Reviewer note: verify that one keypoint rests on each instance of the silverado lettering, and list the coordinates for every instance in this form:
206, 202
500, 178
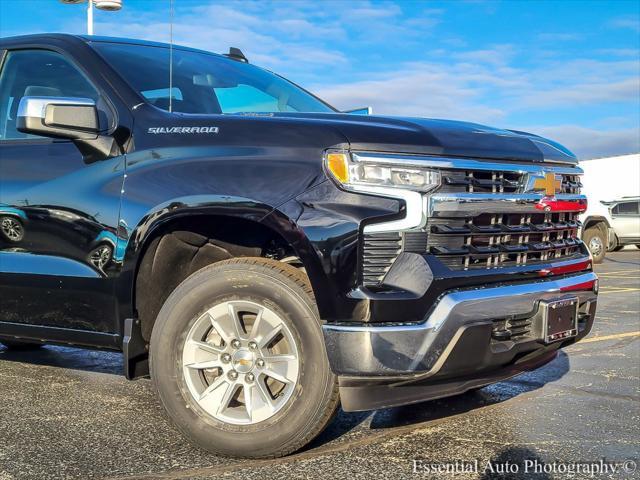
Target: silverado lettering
157, 130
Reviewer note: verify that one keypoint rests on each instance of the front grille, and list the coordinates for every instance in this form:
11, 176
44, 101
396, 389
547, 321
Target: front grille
472, 229
482, 181
496, 181
571, 184
497, 240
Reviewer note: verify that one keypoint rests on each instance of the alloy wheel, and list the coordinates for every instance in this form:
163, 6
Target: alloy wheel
240, 362
101, 256
12, 229
596, 246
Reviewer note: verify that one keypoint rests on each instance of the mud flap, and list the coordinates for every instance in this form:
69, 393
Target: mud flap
135, 351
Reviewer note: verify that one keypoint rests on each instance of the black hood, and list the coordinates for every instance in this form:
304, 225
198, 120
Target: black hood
359, 132
438, 137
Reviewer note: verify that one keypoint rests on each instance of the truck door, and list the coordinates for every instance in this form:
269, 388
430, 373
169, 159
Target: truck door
58, 213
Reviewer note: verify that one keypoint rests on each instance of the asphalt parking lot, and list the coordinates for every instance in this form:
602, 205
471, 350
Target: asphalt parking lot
68, 413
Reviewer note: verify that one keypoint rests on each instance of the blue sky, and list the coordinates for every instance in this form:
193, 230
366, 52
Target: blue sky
566, 69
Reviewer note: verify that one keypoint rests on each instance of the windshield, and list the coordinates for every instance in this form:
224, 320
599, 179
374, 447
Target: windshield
205, 83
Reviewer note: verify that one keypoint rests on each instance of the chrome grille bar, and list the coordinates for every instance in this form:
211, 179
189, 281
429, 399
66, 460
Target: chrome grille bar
485, 215
466, 204
447, 163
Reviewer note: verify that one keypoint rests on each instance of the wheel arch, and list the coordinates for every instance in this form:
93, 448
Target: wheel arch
601, 222
150, 245
594, 220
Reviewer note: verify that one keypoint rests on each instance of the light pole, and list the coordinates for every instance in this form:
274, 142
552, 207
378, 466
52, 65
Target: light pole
108, 5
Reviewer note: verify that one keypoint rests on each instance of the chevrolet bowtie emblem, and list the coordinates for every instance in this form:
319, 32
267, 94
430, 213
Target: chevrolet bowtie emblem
244, 362
550, 184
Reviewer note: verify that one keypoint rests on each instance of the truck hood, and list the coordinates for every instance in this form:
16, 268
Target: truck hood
437, 137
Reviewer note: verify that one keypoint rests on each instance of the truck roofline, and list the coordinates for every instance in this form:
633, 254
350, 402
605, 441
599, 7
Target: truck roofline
71, 38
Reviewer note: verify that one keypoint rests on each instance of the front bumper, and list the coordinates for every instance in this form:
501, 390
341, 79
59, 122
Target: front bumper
456, 348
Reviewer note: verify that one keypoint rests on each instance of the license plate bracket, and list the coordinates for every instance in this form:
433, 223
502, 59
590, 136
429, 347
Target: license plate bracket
559, 319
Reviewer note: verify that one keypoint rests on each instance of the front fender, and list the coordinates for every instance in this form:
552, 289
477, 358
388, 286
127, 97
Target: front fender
324, 225
291, 198
137, 229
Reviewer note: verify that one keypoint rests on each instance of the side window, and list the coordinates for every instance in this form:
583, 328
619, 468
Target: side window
36, 73
626, 208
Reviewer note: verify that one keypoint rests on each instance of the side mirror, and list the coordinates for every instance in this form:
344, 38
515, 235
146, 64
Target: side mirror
59, 117
360, 111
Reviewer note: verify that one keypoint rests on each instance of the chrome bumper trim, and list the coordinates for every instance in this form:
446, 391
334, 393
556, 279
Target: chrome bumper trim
423, 348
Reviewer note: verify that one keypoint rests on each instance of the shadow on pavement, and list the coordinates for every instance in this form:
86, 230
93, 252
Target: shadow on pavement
66, 357
437, 409
629, 259
496, 393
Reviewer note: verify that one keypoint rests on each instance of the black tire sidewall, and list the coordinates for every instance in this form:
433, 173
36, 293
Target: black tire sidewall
189, 301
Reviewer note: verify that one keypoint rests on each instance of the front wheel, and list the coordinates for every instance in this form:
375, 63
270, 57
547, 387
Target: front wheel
595, 241
238, 359
11, 229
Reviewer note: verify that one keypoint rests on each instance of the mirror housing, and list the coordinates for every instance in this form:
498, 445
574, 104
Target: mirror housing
59, 117
360, 111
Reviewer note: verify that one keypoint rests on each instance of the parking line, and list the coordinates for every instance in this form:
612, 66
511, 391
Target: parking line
620, 277
620, 274
610, 337
604, 290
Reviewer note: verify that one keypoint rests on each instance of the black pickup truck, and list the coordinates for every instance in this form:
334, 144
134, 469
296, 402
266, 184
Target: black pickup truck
264, 257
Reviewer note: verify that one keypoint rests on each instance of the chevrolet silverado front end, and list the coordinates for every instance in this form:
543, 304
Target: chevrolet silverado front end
264, 257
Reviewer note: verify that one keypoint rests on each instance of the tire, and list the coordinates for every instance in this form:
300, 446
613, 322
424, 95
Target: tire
304, 406
596, 243
617, 248
638, 245
11, 229
17, 345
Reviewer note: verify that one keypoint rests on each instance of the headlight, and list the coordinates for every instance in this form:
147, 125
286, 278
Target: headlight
368, 174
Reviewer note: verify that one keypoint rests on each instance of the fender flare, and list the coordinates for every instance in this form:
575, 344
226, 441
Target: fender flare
610, 236
595, 219
133, 247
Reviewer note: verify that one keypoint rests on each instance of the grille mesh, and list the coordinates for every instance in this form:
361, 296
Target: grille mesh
498, 182
496, 240
380, 251
484, 241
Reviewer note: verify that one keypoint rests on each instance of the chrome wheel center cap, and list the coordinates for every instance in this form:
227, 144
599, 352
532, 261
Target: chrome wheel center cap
243, 361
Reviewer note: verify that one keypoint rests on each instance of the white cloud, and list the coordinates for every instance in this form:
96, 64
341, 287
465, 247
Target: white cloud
626, 22
496, 55
626, 90
591, 143
427, 90
482, 86
559, 37
619, 52
268, 36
